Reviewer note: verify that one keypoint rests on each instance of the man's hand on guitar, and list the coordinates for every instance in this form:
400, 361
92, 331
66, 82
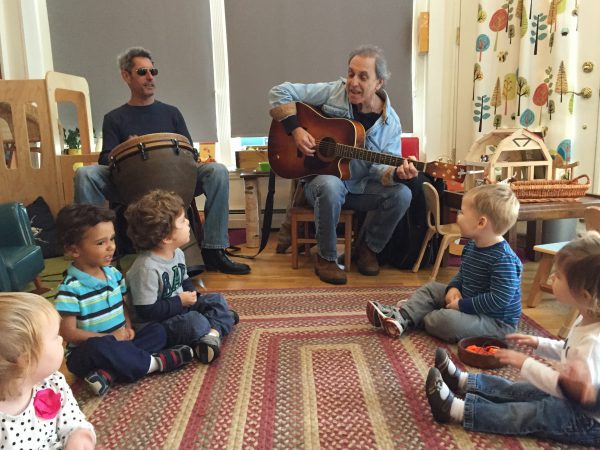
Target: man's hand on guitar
406, 171
304, 141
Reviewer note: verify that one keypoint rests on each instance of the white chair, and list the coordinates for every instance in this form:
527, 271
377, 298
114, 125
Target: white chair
449, 232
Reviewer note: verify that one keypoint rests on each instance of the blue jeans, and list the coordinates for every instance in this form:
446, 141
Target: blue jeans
126, 360
326, 194
210, 311
94, 185
496, 405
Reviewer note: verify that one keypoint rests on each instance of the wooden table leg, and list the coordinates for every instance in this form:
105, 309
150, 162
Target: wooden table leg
541, 276
533, 238
252, 209
511, 237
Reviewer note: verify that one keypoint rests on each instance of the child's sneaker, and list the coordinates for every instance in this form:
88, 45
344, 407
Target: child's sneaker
236, 317
99, 381
394, 326
173, 358
208, 348
376, 312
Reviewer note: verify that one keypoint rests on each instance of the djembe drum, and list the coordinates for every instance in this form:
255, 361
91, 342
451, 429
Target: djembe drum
157, 161
154, 161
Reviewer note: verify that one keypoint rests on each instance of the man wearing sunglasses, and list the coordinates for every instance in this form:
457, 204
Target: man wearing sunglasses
142, 115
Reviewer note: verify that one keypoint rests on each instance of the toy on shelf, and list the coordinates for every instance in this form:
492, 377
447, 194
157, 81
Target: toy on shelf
508, 153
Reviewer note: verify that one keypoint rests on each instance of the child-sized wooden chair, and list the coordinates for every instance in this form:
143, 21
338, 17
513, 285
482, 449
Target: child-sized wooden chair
449, 232
540, 284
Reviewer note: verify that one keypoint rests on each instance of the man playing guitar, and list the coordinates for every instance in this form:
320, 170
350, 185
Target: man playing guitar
359, 97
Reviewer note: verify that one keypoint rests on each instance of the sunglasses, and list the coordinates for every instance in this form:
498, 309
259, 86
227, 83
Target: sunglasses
142, 71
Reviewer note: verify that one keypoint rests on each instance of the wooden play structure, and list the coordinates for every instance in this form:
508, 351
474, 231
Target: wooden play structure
31, 136
508, 152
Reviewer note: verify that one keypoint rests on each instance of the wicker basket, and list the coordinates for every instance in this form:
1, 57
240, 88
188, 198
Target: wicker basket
551, 190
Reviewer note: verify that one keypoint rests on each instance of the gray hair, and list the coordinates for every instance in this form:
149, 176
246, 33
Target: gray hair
125, 59
372, 51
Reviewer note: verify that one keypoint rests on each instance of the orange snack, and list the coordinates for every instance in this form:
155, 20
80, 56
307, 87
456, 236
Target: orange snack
486, 350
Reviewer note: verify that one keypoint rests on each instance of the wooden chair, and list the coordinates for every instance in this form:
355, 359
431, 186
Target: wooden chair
540, 282
351, 217
449, 232
306, 215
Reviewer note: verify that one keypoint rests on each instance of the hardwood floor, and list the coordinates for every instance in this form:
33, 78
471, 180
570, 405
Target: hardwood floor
272, 270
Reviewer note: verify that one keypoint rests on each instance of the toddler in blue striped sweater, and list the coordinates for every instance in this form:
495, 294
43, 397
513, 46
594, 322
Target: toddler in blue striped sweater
484, 297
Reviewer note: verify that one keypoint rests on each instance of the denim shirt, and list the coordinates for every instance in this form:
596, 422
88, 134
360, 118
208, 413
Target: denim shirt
331, 97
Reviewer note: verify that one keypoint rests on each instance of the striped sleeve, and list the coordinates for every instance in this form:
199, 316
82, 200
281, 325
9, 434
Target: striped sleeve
492, 283
67, 299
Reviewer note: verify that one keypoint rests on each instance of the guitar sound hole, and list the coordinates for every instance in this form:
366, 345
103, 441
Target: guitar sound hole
326, 149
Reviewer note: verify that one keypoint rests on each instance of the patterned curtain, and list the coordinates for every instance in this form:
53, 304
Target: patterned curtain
524, 62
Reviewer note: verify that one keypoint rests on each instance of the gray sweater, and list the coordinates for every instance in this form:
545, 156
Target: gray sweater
154, 287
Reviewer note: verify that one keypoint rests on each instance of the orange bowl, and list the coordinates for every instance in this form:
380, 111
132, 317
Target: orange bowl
479, 360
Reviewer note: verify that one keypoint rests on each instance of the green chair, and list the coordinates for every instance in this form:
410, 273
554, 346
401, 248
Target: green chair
21, 261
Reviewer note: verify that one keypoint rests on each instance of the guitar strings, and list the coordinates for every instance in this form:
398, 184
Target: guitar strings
349, 151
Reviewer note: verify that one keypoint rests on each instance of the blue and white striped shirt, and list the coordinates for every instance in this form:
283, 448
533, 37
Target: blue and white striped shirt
489, 280
98, 304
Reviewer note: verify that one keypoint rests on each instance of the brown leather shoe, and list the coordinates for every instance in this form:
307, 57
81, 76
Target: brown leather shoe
329, 271
367, 260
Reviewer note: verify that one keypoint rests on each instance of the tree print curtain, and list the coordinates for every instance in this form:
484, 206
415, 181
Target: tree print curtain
522, 68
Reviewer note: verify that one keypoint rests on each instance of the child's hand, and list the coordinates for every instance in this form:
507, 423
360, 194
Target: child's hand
80, 439
523, 339
511, 357
188, 298
453, 305
452, 295
121, 334
130, 333
575, 381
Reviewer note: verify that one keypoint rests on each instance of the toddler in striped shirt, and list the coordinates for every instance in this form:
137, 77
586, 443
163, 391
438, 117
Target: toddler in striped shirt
484, 297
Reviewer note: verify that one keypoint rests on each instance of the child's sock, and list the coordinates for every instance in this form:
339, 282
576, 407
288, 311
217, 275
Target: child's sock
171, 358
99, 381
457, 410
154, 364
452, 375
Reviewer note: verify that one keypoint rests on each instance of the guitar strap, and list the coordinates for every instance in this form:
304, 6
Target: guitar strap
266, 225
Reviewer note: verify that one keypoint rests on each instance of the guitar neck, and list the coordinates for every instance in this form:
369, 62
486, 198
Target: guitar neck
348, 151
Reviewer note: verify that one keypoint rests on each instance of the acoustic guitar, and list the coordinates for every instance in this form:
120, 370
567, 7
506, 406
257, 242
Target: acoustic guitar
338, 142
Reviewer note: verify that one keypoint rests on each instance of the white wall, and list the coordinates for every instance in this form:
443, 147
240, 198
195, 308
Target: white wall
435, 79
24, 39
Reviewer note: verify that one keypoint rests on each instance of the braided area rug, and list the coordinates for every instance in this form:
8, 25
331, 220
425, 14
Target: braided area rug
303, 369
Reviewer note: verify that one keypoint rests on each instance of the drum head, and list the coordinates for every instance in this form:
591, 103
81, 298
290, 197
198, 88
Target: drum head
148, 140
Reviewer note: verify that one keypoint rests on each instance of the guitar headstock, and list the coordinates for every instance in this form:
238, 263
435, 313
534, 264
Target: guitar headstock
447, 171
